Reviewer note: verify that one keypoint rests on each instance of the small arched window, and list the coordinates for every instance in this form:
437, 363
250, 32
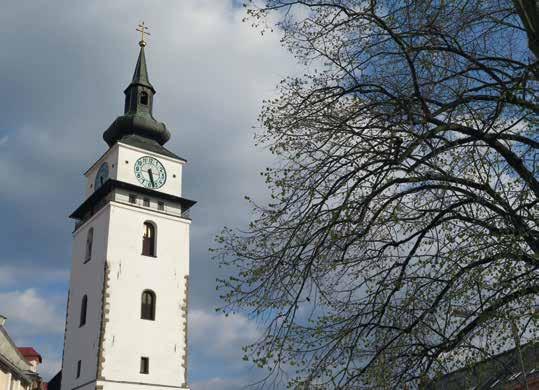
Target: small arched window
144, 98
147, 306
148, 239
83, 310
89, 244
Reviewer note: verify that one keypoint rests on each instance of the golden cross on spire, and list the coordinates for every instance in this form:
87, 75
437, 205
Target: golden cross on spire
142, 29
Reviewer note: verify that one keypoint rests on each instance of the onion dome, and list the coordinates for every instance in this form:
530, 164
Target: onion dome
138, 121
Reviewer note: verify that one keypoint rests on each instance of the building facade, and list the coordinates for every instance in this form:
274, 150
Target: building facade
126, 325
18, 366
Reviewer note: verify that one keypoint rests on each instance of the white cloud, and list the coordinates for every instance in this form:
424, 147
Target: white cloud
218, 383
29, 312
217, 335
3, 140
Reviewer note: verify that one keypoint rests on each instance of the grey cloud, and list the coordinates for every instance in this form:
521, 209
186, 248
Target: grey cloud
29, 312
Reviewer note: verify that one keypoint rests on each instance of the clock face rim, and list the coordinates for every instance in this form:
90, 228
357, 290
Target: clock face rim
103, 171
143, 181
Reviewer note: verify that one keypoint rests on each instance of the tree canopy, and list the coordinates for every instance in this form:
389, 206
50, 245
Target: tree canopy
402, 239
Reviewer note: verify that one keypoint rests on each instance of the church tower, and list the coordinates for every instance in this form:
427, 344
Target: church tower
126, 325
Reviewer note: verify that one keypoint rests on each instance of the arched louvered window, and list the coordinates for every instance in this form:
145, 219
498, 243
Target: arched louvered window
83, 310
147, 306
89, 244
148, 239
144, 98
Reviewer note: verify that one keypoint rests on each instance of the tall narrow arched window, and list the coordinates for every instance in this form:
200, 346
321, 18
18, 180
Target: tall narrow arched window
83, 310
147, 305
89, 244
144, 98
148, 240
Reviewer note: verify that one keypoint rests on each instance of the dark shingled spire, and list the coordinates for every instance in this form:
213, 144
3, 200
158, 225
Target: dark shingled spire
140, 76
138, 124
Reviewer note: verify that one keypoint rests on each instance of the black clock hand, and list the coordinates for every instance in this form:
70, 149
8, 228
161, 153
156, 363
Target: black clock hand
151, 177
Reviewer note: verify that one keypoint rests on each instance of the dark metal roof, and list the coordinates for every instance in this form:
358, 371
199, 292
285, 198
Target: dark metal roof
148, 144
111, 184
140, 75
138, 110
55, 382
493, 373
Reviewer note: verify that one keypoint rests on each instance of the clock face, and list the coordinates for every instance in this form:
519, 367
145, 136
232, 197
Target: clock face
150, 172
102, 175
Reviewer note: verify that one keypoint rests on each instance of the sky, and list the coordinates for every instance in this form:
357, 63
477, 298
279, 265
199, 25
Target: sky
63, 69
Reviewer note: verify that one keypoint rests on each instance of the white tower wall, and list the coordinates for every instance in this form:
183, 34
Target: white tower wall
82, 343
114, 338
105, 351
127, 337
121, 159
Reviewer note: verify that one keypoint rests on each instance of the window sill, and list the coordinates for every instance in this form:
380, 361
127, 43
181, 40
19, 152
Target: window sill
155, 257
